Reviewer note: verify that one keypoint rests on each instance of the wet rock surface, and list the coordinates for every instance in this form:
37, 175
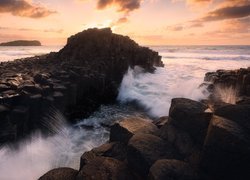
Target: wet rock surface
171, 169
76, 80
124, 130
234, 83
60, 174
171, 151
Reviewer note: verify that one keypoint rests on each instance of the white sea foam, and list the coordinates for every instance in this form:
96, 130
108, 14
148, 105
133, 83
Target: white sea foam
180, 77
40, 154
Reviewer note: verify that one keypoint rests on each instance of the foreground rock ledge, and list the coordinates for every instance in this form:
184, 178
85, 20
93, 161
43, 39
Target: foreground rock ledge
84, 74
172, 150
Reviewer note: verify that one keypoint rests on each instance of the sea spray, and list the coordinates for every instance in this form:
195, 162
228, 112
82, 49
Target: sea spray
41, 153
226, 94
155, 91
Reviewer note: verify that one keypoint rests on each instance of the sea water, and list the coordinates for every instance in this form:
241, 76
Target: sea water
9, 53
185, 67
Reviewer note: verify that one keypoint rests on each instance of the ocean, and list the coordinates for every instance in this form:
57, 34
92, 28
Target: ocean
9, 53
185, 67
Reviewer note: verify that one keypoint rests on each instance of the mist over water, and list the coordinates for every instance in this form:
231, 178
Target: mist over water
182, 75
39, 154
184, 71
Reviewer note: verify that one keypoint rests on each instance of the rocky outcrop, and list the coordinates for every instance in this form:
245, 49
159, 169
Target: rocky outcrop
171, 169
124, 130
190, 144
196, 141
226, 153
84, 74
228, 86
21, 43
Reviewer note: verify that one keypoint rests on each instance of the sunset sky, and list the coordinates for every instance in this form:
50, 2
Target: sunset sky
149, 22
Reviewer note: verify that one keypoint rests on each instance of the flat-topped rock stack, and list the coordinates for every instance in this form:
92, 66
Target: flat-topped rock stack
84, 74
191, 144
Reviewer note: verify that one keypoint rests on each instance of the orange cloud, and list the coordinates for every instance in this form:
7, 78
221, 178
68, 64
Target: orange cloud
23, 8
229, 12
124, 5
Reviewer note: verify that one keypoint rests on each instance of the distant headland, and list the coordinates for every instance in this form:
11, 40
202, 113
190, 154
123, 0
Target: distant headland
21, 43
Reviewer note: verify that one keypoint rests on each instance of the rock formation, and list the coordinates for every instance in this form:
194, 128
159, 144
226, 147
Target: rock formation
21, 43
229, 86
196, 142
84, 74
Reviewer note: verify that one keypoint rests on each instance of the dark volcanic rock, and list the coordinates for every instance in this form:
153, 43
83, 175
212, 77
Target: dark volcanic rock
190, 116
171, 169
234, 80
60, 174
145, 149
115, 150
103, 168
237, 113
107, 50
122, 131
226, 152
181, 140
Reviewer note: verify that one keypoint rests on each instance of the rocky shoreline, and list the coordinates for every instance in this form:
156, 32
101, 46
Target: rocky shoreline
205, 140
199, 140
76, 80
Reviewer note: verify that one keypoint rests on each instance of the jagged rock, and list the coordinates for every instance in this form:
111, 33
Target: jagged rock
60, 174
122, 131
145, 149
19, 116
171, 169
42, 78
161, 121
180, 139
237, 113
190, 116
103, 168
115, 150
236, 79
226, 152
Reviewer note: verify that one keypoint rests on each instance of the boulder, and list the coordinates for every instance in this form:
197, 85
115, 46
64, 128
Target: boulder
226, 151
42, 78
171, 169
161, 121
122, 131
103, 168
237, 113
60, 174
145, 149
115, 150
190, 116
181, 140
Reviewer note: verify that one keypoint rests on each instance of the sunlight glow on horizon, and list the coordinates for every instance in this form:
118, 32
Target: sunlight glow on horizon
160, 22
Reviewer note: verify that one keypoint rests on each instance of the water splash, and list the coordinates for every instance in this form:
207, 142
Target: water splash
155, 91
40, 153
226, 94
